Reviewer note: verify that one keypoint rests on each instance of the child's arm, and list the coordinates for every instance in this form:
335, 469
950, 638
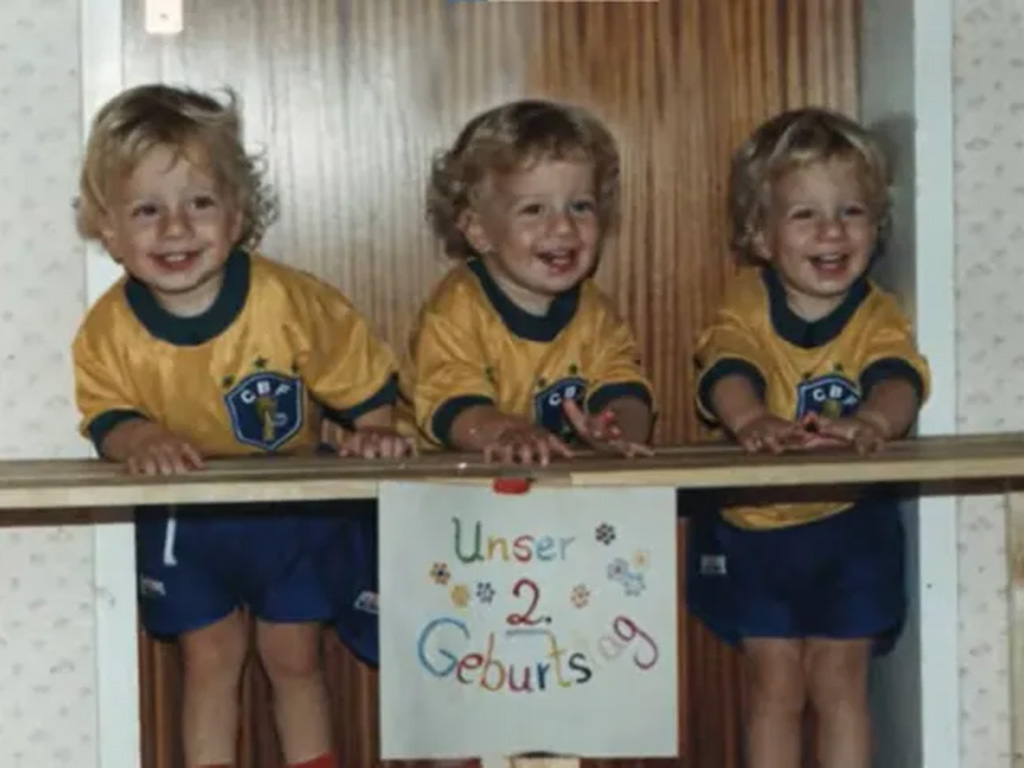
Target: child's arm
619, 411
454, 397
895, 383
886, 415
352, 374
892, 407
113, 420
731, 384
148, 449
732, 367
504, 437
374, 435
632, 417
739, 406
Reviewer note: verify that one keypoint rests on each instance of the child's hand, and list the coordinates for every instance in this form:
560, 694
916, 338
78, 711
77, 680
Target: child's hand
155, 451
601, 432
525, 443
766, 432
867, 431
367, 442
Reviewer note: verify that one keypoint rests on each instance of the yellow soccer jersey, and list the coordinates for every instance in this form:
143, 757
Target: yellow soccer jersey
828, 366
244, 377
474, 346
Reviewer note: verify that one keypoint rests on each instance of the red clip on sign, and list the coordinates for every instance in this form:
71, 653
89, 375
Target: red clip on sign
514, 485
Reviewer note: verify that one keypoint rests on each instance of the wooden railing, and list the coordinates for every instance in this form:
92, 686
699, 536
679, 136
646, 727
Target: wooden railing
60, 483
935, 464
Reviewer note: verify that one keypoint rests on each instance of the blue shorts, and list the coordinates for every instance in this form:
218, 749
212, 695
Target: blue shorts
285, 562
840, 577
350, 577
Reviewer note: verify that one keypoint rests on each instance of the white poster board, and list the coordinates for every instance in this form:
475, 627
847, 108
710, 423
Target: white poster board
542, 622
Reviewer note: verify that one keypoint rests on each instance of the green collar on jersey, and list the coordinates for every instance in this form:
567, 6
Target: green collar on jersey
519, 321
800, 332
193, 331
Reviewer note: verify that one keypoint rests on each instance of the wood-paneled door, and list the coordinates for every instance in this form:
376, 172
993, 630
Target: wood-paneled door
349, 99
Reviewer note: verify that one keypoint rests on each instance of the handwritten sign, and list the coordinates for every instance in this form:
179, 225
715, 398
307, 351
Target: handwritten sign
521, 623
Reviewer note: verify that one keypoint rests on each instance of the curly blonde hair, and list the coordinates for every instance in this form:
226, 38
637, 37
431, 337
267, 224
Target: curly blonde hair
139, 119
507, 138
794, 139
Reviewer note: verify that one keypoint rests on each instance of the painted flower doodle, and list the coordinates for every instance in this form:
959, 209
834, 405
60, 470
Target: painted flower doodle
633, 584
460, 595
485, 592
618, 569
580, 596
605, 533
440, 574
641, 559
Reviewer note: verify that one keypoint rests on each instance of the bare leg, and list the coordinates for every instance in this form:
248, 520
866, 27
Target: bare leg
837, 675
291, 656
777, 699
212, 661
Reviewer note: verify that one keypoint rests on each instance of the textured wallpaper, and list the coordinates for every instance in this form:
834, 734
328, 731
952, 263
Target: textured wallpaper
47, 664
989, 135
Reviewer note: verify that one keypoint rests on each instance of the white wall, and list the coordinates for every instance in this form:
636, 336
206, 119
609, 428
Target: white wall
989, 174
47, 663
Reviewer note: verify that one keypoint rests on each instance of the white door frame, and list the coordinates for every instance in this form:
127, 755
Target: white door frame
118, 735
935, 302
907, 86
118, 740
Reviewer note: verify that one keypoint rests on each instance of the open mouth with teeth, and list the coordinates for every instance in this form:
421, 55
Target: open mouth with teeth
830, 264
560, 262
176, 261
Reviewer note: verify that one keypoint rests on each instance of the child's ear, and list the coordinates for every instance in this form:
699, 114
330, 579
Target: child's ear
236, 223
759, 245
107, 235
472, 227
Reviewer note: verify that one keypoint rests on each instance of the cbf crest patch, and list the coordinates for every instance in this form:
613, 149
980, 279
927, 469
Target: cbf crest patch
832, 396
549, 402
265, 409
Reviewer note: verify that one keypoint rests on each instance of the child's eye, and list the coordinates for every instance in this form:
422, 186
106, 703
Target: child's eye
802, 214
854, 210
583, 206
143, 210
532, 209
202, 202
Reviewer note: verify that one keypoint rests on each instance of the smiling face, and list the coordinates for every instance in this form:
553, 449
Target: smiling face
537, 230
818, 234
172, 228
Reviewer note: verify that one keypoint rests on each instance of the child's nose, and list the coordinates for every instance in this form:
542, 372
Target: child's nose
176, 224
831, 227
562, 223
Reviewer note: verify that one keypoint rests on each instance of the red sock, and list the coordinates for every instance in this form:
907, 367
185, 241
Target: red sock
324, 761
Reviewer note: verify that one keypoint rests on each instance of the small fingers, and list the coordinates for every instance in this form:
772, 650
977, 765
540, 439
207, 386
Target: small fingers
577, 418
508, 453
632, 450
139, 465
751, 443
332, 434
773, 442
523, 452
558, 447
192, 456
351, 444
